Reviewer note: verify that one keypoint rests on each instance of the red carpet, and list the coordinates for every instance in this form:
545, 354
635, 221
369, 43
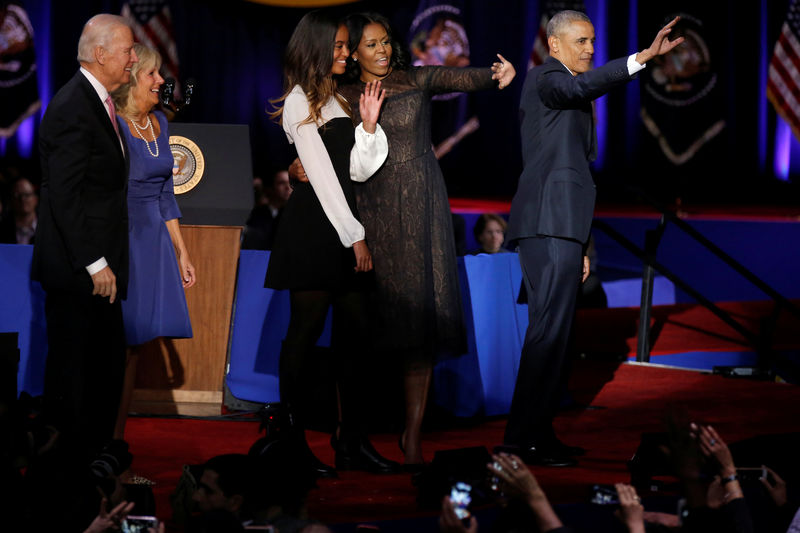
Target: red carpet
682, 328
627, 401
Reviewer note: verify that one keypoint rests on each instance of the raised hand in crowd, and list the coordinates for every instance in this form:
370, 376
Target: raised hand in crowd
110, 520
517, 481
631, 510
726, 486
776, 487
449, 522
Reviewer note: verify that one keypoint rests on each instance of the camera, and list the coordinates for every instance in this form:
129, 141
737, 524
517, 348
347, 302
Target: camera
113, 460
604, 495
139, 524
747, 475
460, 496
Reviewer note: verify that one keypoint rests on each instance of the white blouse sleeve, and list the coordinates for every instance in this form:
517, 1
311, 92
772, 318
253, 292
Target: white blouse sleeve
319, 169
368, 153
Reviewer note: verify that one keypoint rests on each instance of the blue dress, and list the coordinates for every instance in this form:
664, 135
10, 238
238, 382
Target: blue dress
156, 303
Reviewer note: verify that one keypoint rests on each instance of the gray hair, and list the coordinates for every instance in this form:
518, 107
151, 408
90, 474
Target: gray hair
98, 31
562, 19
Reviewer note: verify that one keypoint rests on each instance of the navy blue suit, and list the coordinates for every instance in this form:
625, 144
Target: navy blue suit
551, 216
82, 217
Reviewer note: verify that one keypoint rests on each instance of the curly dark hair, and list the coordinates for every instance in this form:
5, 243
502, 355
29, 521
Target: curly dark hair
356, 23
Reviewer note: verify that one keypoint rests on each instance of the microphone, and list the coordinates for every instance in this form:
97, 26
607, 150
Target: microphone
188, 91
166, 91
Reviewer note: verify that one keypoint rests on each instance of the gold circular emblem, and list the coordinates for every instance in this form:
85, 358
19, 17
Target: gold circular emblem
188, 163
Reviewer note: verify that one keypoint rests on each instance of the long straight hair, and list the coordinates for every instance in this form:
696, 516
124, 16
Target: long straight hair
307, 62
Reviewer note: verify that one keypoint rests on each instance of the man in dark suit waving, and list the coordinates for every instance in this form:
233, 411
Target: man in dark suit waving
81, 250
551, 215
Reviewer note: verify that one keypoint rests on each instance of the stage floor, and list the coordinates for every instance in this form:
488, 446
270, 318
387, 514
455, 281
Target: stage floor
614, 404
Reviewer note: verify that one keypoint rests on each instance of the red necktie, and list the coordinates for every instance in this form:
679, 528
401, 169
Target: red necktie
112, 113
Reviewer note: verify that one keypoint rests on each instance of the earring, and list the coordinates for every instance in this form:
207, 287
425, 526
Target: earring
355, 59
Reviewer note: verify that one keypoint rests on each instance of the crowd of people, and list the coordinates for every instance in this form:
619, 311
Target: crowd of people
268, 488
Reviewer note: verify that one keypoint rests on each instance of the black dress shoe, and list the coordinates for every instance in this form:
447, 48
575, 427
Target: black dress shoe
359, 454
317, 468
321, 470
560, 448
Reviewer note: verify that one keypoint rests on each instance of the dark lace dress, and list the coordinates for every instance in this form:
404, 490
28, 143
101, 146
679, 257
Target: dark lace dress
406, 214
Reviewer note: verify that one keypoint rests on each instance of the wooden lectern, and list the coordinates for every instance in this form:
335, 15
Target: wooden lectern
185, 376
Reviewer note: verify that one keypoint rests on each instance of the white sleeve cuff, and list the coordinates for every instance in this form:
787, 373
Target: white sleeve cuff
368, 154
97, 266
633, 65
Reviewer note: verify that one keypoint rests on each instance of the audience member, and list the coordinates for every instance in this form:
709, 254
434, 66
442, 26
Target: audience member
109, 520
19, 223
490, 232
259, 232
279, 498
225, 481
631, 510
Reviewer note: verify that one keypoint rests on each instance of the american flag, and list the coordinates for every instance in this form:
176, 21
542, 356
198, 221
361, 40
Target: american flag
783, 82
540, 49
152, 26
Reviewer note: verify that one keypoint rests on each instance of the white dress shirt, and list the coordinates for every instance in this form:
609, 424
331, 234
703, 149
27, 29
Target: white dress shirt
366, 157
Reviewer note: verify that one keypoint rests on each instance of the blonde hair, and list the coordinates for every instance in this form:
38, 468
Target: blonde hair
123, 97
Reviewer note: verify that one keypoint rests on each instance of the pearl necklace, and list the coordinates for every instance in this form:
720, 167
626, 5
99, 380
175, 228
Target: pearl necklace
152, 132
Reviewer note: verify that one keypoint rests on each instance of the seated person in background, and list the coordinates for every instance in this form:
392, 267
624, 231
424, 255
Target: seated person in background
19, 223
259, 232
490, 232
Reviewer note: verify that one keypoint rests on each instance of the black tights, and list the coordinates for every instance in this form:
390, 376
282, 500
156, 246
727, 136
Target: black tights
309, 308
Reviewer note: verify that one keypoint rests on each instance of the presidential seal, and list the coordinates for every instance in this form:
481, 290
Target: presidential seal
680, 102
188, 163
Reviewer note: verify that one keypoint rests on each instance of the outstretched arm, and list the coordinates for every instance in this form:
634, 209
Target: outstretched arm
660, 45
503, 72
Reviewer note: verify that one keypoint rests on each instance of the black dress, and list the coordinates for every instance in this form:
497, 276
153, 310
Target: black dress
307, 254
406, 214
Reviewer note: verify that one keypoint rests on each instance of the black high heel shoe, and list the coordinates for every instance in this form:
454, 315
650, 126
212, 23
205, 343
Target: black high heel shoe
359, 454
409, 468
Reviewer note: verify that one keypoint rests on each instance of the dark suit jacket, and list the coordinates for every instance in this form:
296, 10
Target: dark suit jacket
83, 207
556, 193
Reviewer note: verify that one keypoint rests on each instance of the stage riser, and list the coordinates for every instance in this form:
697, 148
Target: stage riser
770, 249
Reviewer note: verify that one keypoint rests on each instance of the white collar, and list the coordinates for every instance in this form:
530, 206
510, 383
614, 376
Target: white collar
101, 91
566, 67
